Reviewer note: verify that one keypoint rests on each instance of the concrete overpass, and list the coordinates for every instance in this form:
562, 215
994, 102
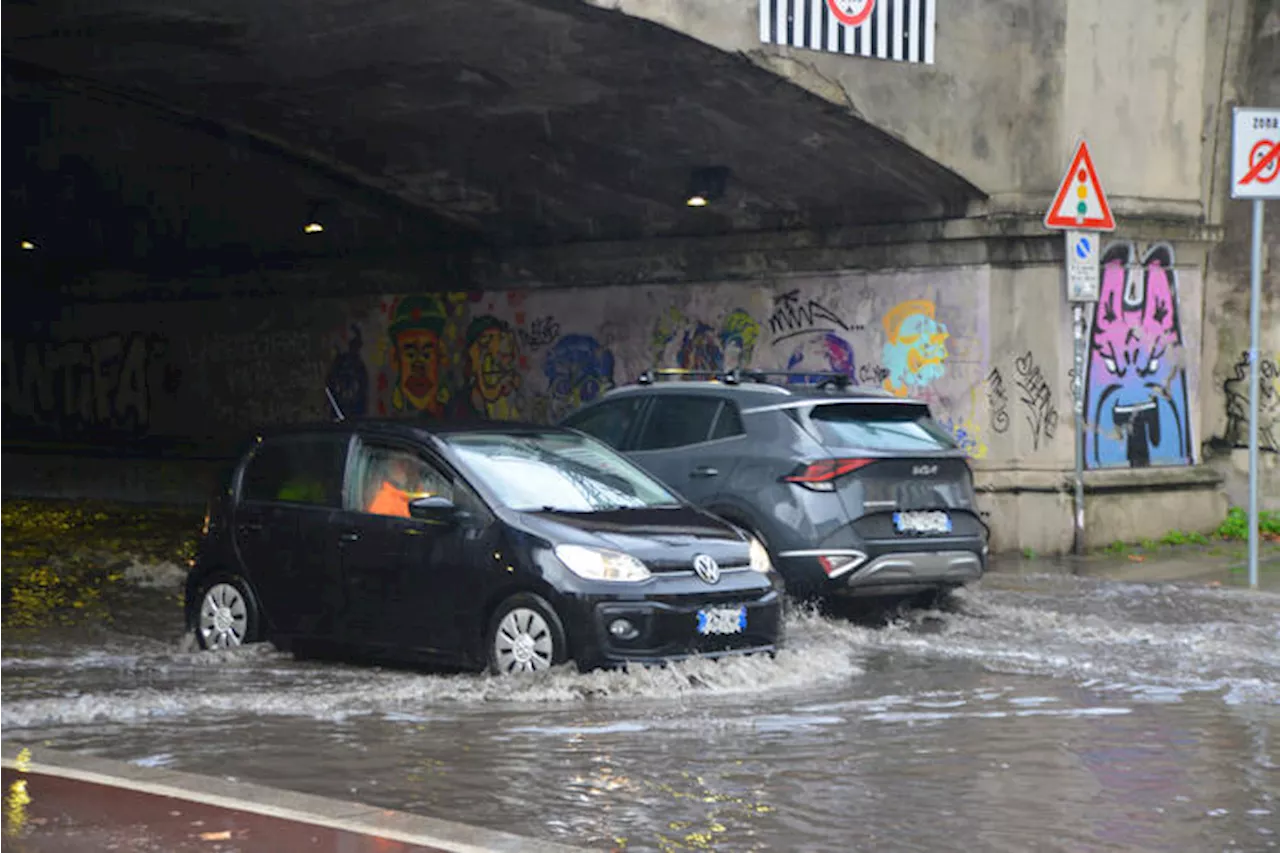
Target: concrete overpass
479, 164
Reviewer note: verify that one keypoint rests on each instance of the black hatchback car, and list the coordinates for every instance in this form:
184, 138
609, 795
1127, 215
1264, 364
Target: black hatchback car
498, 545
855, 492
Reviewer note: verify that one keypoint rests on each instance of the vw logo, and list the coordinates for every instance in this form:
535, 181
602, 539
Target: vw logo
706, 567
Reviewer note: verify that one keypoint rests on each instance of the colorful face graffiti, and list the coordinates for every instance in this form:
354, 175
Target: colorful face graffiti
492, 366
915, 348
738, 335
578, 369
832, 352
348, 379
699, 350
1135, 387
417, 351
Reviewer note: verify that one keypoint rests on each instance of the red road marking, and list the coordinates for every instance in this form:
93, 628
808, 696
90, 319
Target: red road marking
1271, 158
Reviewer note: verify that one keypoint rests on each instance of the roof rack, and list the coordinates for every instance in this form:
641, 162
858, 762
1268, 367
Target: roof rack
838, 381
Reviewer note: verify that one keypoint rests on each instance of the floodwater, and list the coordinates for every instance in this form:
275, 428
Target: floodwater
1043, 712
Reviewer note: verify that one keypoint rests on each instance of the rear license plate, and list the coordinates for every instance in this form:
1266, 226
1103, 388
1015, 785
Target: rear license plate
922, 522
722, 620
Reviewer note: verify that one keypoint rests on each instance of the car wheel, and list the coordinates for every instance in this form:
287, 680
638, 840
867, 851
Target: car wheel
525, 635
228, 616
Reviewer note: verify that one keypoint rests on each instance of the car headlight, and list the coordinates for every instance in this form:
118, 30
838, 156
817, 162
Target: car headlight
598, 564
760, 557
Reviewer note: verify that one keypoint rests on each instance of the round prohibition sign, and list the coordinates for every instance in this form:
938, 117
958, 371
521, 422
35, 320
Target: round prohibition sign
1261, 149
851, 13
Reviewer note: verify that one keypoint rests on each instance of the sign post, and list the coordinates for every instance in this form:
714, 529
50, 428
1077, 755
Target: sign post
1255, 164
1080, 208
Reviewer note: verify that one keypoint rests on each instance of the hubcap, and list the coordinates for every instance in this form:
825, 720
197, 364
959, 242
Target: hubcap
523, 642
224, 617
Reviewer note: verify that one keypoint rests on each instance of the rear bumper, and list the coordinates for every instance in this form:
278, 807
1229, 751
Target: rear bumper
909, 571
887, 567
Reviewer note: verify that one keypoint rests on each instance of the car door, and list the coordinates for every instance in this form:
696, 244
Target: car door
407, 582
289, 492
690, 442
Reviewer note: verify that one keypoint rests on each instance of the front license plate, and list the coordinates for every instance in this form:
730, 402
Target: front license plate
922, 522
722, 620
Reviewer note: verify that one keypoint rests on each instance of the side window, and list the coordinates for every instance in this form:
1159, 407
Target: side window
387, 478
675, 421
303, 469
608, 422
729, 423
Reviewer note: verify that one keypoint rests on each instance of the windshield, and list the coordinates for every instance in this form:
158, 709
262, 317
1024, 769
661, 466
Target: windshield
557, 471
880, 426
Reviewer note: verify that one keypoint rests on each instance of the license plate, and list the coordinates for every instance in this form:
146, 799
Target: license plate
922, 522
722, 620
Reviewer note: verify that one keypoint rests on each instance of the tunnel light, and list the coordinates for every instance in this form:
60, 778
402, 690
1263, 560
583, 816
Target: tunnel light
312, 228
706, 184
27, 245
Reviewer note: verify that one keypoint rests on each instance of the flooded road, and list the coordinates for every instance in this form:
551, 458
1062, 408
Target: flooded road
1041, 712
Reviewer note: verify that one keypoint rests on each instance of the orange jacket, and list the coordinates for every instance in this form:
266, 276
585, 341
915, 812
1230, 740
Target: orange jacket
390, 501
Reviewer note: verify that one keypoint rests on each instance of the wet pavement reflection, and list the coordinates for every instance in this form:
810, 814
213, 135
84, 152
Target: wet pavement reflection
1034, 712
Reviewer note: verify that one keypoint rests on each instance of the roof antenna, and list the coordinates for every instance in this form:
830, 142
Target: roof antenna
337, 410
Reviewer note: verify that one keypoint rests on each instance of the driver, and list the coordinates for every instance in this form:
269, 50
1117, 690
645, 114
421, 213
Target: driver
402, 481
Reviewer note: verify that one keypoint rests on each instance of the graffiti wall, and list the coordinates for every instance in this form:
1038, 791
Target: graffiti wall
538, 355
223, 368
1137, 408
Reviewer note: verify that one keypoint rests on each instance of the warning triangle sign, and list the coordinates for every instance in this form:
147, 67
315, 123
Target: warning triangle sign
1080, 202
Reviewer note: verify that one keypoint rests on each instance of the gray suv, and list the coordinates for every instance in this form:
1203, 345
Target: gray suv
853, 491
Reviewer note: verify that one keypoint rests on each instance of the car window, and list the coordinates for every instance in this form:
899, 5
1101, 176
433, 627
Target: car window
557, 471
297, 469
728, 422
880, 426
677, 420
609, 421
385, 478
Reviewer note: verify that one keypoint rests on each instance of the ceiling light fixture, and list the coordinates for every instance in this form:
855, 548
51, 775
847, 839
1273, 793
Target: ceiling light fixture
27, 245
706, 184
312, 228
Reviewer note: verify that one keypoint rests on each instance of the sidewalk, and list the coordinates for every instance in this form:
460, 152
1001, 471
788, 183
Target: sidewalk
61, 802
1219, 564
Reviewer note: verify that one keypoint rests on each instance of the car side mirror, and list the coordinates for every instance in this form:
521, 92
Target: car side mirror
438, 510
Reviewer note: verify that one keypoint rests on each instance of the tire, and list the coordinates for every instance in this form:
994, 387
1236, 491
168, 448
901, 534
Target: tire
525, 635
227, 615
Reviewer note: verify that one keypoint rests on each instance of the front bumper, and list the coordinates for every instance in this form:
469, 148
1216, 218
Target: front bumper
666, 625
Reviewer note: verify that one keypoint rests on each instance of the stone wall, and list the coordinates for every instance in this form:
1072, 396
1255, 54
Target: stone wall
1251, 77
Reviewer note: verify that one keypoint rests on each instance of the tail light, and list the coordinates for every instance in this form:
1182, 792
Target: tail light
820, 476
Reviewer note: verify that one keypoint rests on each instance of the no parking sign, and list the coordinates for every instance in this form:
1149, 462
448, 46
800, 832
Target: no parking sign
1082, 266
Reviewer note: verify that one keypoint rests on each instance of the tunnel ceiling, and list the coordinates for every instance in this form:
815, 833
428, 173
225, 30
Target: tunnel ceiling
509, 122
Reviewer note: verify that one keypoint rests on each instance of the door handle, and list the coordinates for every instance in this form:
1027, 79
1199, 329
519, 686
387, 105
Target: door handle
349, 536
703, 471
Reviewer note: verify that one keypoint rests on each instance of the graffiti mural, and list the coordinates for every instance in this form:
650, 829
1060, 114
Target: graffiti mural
418, 355
915, 348
1135, 381
348, 378
105, 384
1236, 390
492, 368
705, 344
578, 370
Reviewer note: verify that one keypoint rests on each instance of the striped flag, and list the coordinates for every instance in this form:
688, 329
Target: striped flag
901, 30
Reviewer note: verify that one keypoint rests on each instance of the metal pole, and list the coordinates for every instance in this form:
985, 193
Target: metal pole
1077, 390
1255, 322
